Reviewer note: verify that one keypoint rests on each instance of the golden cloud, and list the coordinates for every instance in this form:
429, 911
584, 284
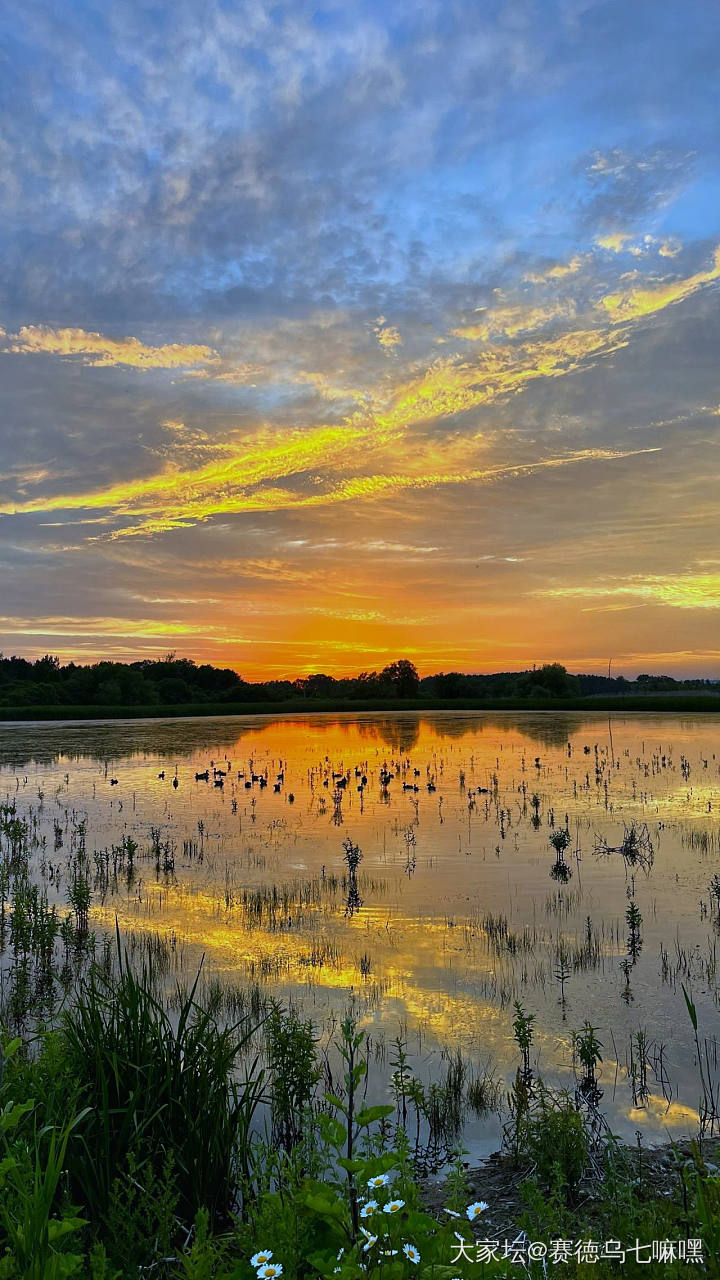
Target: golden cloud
557, 272
103, 352
513, 320
614, 243
358, 487
388, 337
636, 303
88, 627
688, 591
378, 449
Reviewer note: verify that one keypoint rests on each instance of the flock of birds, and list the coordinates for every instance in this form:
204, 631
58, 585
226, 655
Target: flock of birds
328, 775
217, 775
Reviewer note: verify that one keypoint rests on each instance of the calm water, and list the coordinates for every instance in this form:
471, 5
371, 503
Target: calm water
460, 915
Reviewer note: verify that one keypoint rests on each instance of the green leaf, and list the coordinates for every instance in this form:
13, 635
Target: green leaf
328, 1209
691, 1009
370, 1114
57, 1228
10, 1049
325, 1263
13, 1114
332, 1130
65, 1264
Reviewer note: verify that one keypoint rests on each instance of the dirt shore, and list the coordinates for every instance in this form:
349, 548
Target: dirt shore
656, 1171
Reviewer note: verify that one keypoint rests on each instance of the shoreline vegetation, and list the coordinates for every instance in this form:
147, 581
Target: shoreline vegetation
178, 687
645, 703
293, 1172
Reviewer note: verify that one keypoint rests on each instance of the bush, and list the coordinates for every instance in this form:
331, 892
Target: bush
557, 1141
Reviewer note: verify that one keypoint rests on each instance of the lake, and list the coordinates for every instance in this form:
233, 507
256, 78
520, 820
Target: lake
459, 908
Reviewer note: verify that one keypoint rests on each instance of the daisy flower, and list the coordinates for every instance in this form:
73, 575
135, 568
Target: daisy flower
474, 1210
261, 1258
371, 1240
380, 1180
411, 1253
368, 1209
392, 1206
270, 1271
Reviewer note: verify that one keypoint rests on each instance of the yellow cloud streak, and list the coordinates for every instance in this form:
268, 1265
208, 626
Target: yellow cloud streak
176, 496
449, 387
558, 272
368, 486
138, 627
691, 591
184, 496
636, 303
103, 352
260, 461
511, 321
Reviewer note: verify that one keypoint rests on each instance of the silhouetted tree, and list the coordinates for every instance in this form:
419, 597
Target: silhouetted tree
403, 677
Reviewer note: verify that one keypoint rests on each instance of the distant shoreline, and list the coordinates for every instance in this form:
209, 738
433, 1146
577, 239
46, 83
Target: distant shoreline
650, 702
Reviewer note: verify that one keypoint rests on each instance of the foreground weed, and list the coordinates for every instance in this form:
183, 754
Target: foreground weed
36, 1235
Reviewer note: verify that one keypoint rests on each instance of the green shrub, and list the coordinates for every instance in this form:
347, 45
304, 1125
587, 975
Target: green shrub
557, 1141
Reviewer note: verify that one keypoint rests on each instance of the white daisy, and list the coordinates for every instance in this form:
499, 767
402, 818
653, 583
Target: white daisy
411, 1253
371, 1240
380, 1180
368, 1209
474, 1210
270, 1271
259, 1259
393, 1206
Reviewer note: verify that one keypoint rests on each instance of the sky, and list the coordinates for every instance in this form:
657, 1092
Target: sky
332, 333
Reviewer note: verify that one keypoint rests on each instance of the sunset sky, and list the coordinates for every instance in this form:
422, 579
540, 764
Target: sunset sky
332, 333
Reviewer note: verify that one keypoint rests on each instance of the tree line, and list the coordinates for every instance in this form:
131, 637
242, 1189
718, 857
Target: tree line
173, 681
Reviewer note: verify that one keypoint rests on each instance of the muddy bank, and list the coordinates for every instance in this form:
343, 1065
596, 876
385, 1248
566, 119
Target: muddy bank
655, 1171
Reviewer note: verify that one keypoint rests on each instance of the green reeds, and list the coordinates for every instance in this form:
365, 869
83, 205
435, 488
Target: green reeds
158, 1088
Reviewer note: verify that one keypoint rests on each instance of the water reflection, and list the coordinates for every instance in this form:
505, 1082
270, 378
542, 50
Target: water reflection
111, 740
240, 829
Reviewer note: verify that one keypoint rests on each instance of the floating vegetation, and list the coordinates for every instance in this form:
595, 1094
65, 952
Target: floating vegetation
636, 846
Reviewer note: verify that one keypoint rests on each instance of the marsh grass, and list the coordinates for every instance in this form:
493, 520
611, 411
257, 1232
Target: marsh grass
156, 1087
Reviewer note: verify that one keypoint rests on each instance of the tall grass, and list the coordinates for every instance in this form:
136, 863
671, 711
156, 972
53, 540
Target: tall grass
158, 1089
